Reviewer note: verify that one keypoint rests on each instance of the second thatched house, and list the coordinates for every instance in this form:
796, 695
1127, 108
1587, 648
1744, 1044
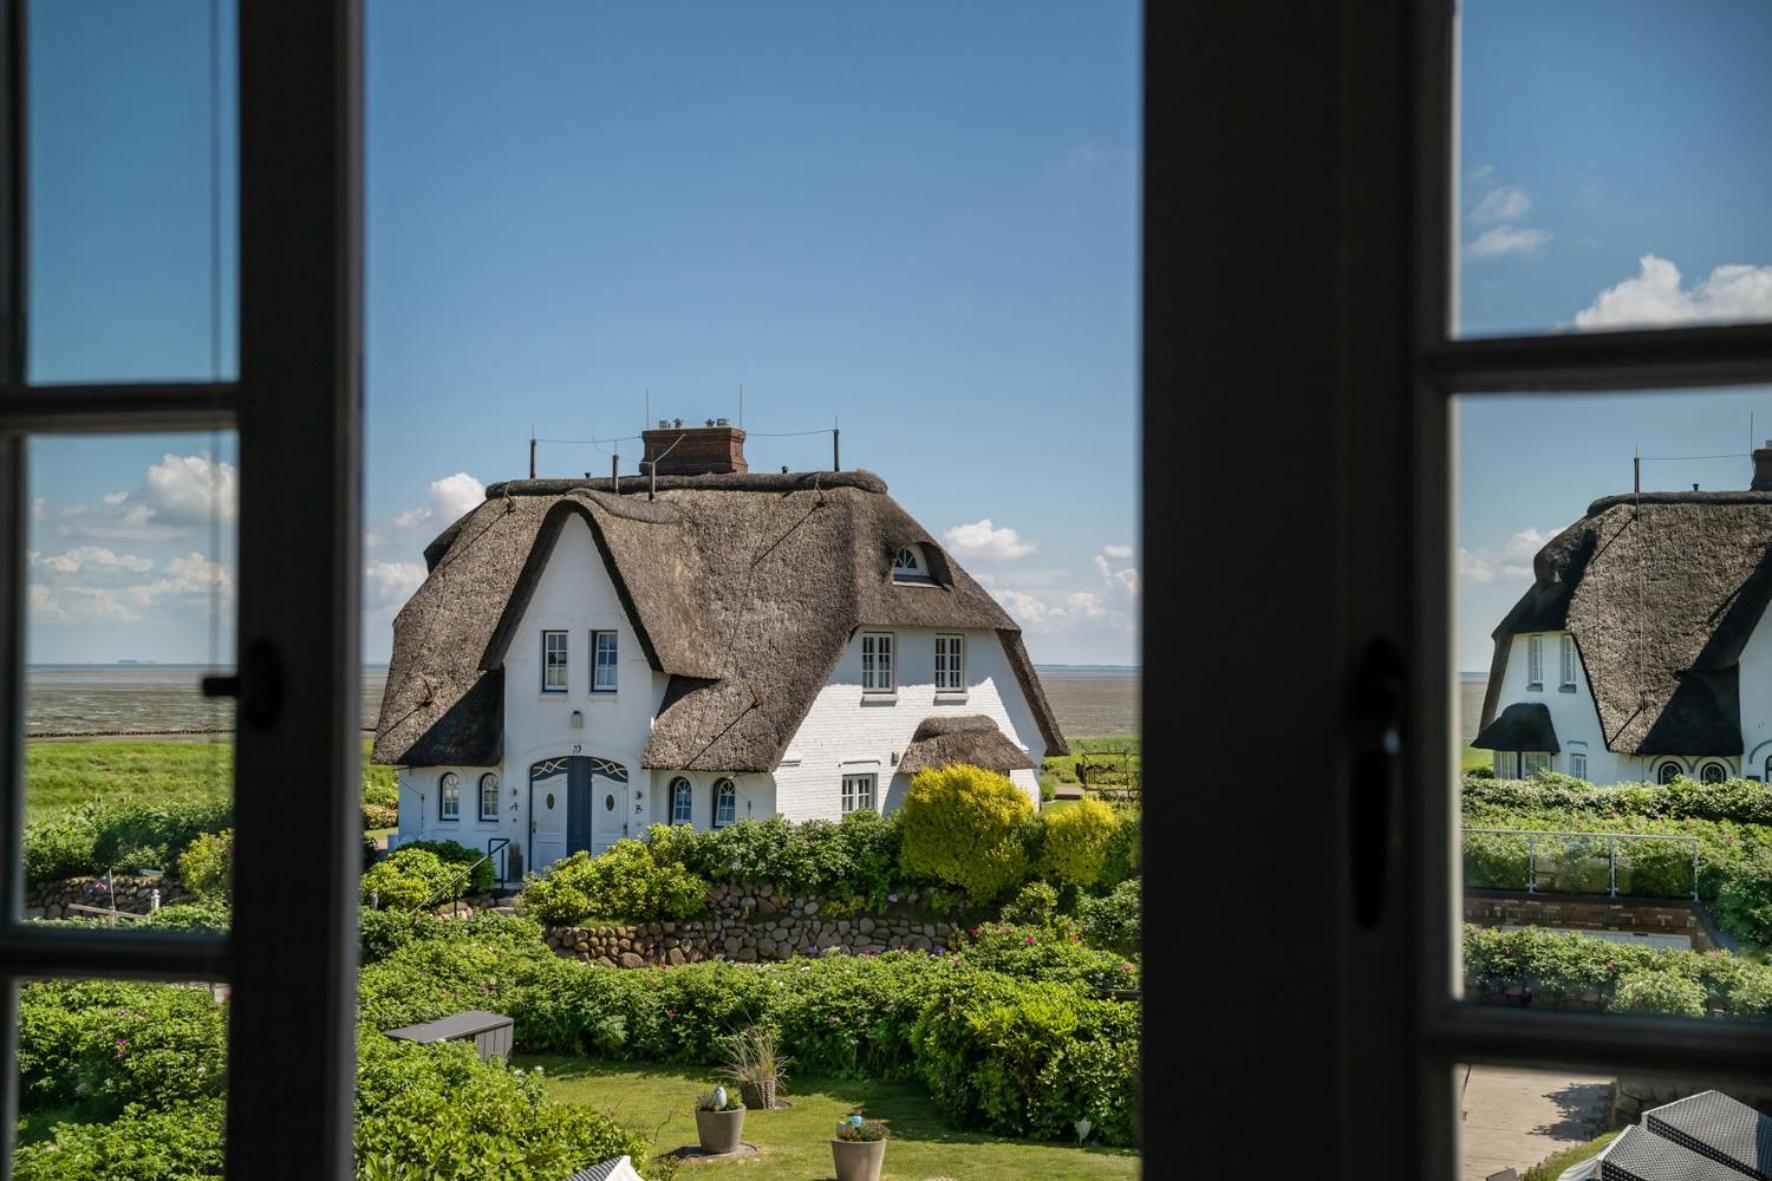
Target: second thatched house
694, 646
1639, 652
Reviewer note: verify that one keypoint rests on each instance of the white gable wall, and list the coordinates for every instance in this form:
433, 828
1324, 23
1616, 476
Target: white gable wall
1756, 699
850, 732
1573, 712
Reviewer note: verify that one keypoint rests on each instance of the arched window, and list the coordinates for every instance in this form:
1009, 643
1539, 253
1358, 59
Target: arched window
1669, 771
449, 796
908, 565
489, 796
725, 802
1769, 768
682, 802
1713, 772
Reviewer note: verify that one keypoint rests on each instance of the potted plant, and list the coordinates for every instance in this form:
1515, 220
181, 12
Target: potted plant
756, 1064
719, 1121
859, 1148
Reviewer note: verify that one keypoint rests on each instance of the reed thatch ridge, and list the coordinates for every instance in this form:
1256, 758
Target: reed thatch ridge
1661, 592
972, 738
744, 588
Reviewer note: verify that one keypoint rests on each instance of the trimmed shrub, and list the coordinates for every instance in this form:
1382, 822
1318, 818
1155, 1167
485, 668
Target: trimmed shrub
206, 866
179, 1143
1078, 839
1112, 922
1743, 904
1048, 956
408, 879
1659, 992
380, 816
963, 825
381, 785
625, 882
1034, 906
209, 914
454, 853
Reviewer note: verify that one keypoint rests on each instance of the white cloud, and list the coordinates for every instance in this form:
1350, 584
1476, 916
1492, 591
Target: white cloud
177, 496
1510, 562
1482, 174
980, 539
1656, 295
445, 500
1117, 552
1062, 614
190, 580
1504, 204
1505, 240
390, 584
91, 559
1125, 578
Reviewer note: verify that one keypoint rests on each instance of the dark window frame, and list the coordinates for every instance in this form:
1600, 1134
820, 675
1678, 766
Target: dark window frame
682, 781
290, 958
1705, 768
497, 798
597, 634
547, 665
1667, 771
725, 789
443, 783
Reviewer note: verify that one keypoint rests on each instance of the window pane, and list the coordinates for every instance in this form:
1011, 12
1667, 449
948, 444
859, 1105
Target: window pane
108, 1067
1611, 166
1621, 871
130, 579
132, 203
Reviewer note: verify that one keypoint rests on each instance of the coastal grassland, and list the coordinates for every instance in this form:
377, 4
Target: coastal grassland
658, 1101
62, 774
1118, 753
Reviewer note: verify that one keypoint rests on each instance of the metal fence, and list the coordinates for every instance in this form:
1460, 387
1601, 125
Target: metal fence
1570, 862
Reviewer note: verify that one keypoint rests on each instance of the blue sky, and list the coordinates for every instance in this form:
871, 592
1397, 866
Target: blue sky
918, 219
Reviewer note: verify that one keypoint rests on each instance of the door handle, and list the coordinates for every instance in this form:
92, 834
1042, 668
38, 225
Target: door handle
1376, 702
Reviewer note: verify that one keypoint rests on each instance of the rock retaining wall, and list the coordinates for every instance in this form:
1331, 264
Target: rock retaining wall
778, 937
50, 900
1576, 912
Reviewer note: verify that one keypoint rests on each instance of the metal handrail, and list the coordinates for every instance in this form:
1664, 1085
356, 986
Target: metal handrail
1611, 839
493, 846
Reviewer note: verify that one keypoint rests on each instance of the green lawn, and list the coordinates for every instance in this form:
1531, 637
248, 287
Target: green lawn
61, 774
795, 1143
1470, 758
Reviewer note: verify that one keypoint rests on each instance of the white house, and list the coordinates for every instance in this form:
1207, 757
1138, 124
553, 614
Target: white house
1639, 652
699, 645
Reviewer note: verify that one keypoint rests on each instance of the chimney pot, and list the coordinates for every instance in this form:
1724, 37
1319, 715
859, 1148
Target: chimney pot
1762, 468
722, 422
677, 422
664, 424
710, 422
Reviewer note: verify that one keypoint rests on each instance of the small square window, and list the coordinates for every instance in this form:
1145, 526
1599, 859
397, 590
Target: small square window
950, 664
553, 662
604, 659
876, 663
858, 793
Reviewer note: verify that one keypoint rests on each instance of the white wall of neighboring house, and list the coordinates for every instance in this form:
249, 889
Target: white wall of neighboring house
1573, 713
848, 731
1756, 700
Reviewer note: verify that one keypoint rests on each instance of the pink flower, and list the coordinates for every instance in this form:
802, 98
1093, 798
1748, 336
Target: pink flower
670, 1012
1027, 939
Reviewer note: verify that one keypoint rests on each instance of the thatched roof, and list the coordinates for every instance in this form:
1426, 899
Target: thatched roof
1661, 592
972, 738
745, 588
1524, 725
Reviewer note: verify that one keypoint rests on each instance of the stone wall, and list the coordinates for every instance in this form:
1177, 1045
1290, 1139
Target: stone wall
49, 900
1633, 1095
1575, 912
790, 931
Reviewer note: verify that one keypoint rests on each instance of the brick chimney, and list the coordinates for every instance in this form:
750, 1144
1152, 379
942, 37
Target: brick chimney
679, 450
1762, 468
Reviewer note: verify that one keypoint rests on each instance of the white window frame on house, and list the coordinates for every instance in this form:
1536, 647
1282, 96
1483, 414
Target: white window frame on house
1534, 662
725, 802
449, 796
1578, 764
858, 791
603, 672
1569, 663
682, 800
289, 957
1535, 762
879, 672
1507, 764
950, 662
489, 784
910, 565
555, 660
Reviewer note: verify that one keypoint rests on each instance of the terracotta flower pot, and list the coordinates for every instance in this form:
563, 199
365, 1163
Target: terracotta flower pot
858, 1160
718, 1131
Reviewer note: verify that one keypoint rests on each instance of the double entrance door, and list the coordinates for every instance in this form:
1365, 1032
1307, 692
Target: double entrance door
576, 802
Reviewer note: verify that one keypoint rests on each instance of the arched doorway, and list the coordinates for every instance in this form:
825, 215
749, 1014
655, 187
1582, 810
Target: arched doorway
575, 802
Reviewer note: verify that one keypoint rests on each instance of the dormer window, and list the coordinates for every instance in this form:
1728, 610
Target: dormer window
909, 565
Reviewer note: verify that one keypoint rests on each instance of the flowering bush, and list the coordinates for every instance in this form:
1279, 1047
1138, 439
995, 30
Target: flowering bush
141, 1144
963, 825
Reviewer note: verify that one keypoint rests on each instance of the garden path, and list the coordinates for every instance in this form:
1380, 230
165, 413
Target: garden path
1516, 1118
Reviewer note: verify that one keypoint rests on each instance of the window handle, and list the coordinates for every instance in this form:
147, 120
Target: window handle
1376, 709
257, 686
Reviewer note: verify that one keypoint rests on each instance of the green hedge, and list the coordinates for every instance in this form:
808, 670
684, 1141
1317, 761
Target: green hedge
1742, 801
99, 836
625, 882
1562, 967
182, 1142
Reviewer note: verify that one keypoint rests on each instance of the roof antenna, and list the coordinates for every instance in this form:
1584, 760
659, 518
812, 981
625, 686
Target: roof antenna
1636, 466
836, 446
532, 453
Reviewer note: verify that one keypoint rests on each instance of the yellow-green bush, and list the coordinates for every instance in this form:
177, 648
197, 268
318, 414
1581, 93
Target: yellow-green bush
205, 866
1077, 842
963, 825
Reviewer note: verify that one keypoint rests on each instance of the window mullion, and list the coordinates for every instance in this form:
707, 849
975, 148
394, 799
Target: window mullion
1656, 358
119, 407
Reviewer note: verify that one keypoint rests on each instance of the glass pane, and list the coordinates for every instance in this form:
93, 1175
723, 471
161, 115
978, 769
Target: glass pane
133, 187
1611, 166
120, 1079
1615, 702
131, 561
